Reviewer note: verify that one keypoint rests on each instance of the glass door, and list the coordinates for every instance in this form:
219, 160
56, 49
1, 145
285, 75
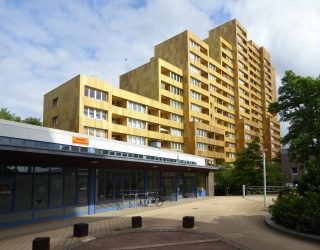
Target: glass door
167, 188
188, 187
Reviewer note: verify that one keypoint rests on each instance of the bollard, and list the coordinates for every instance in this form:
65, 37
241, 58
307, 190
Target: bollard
80, 230
188, 222
243, 190
136, 221
41, 243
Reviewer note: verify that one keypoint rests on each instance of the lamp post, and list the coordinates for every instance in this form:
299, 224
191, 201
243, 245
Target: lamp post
264, 178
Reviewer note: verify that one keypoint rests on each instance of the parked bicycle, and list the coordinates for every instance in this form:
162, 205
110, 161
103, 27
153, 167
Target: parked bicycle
153, 198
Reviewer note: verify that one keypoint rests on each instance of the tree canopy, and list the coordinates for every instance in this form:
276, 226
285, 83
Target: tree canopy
5, 114
248, 164
299, 104
247, 170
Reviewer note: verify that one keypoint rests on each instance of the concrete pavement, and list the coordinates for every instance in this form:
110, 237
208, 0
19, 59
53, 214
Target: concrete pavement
221, 222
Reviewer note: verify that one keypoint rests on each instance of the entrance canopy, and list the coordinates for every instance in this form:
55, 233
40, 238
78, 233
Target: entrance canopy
23, 144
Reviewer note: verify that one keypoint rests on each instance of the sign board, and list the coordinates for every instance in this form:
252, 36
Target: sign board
80, 140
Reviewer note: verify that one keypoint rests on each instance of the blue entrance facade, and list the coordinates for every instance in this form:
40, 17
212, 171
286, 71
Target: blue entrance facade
48, 174
33, 193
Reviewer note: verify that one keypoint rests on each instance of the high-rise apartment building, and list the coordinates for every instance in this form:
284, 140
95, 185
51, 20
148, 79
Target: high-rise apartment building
202, 97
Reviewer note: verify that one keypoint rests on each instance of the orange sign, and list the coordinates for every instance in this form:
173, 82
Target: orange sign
80, 140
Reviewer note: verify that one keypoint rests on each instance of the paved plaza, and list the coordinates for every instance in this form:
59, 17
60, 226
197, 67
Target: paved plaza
220, 222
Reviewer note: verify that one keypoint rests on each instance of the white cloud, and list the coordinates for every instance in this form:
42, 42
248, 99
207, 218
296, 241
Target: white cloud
45, 43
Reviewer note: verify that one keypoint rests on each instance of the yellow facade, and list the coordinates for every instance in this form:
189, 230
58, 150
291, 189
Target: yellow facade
203, 97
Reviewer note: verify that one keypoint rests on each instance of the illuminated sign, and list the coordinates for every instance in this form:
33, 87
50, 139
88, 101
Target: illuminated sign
80, 140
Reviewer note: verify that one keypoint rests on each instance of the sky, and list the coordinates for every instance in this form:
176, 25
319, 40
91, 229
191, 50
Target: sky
44, 43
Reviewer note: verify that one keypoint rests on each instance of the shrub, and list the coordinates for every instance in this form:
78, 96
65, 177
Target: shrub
301, 213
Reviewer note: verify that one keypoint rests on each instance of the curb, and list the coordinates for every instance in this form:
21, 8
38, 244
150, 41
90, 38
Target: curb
76, 244
268, 220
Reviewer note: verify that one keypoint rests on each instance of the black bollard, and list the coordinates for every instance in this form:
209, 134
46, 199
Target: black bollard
41, 243
80, 230
136, 222
188, 222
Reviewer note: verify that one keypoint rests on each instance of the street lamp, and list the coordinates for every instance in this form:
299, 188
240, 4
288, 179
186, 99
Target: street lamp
264, 178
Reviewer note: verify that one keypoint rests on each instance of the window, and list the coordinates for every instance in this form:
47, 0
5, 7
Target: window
194, 57
136, 107
246, 126
195, 107
55, 102
294, 170
228, 50
94, 93
177, 132
230, 87
231, 135
137, 140
195, 94
232, 145
95, 132
194, 69
176, 90
247, 136
201, 132
231, 97
194, 44
213, 88
176, 77
177, 118
211, 66
230, 106
176, 104
201, 146
195, 119
136, 123
195, 82
177, 146
95, 113
229, 69
212, 77
55, 120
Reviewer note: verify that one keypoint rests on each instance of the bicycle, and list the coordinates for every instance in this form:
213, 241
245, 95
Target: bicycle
155, 198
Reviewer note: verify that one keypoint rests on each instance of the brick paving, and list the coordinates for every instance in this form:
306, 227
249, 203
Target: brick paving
228, 222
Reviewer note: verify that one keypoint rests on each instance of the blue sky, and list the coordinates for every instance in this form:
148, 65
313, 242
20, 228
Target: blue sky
45, 43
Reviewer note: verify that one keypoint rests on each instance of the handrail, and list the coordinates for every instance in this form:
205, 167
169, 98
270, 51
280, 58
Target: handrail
268, 188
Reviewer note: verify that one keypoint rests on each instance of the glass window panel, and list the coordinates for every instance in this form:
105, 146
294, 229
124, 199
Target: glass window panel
86, 91
6, 195
70, 186
100, 189
56, 188
109, 187
24, 192
103, 96
92, 92
91, 113
41, 190
83, 190
98, 95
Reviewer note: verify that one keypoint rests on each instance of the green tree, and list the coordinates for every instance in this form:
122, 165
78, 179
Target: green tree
33, 121
6, 115
224, 179
299, 104
248, 165
275, 175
